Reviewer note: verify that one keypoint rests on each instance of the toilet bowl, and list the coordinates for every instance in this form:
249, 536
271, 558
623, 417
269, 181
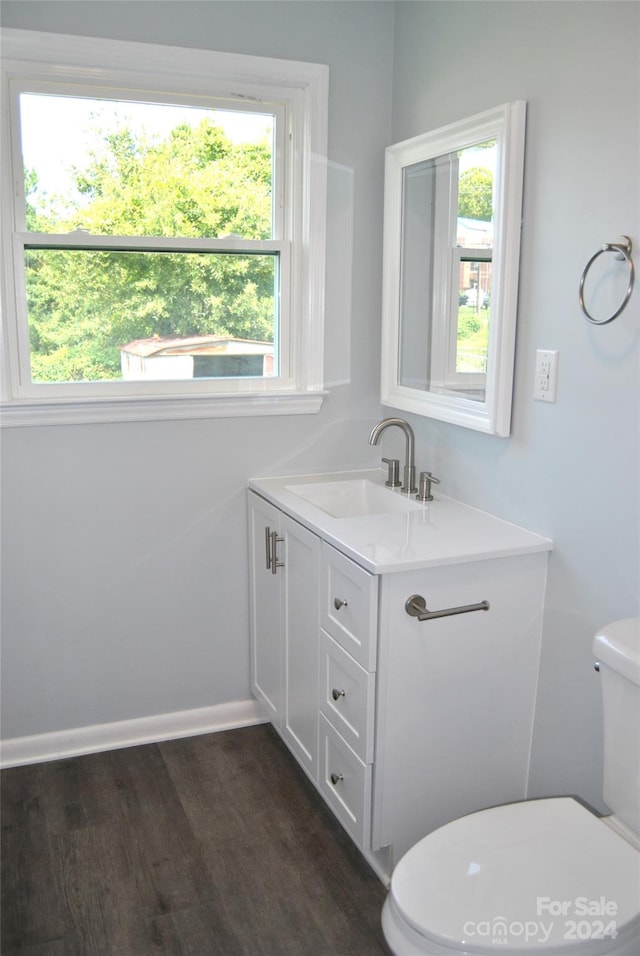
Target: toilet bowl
546, 876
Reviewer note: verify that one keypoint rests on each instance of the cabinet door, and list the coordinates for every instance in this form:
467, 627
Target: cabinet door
302, 586
456, 694
266, 607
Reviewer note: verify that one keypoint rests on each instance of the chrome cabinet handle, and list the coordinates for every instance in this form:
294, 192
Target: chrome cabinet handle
336, 778
416, 606
267, 541
337, 694
271, 540
338, 603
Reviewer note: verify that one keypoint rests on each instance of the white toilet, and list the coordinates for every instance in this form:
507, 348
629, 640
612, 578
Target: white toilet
543, 876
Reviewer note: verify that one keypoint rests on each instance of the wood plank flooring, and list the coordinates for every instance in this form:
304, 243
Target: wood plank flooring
211, 845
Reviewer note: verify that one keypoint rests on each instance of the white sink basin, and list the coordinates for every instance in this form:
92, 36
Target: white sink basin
353, 498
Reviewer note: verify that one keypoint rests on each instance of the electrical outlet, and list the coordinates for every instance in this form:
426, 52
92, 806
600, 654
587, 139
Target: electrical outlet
546, 377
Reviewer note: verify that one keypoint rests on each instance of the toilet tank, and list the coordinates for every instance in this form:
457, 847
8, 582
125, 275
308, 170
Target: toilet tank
617, 648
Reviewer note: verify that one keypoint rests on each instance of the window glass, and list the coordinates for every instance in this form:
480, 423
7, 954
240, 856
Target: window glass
122, 168
97, 316
118, 167
474, 227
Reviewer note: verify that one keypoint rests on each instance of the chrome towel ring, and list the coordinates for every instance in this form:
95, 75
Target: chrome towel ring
622, 250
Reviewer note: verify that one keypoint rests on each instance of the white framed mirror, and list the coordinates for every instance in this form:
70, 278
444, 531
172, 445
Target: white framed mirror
452, 220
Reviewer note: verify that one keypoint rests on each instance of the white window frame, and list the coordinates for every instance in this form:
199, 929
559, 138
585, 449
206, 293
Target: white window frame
299, 94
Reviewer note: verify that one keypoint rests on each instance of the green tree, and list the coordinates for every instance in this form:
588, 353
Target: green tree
83, 305
475, 193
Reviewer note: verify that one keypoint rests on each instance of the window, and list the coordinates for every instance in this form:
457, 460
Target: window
472, 256
464, 206
166, 221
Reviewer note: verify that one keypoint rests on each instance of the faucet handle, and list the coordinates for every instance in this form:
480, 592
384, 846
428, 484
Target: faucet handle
393, 480
426, 480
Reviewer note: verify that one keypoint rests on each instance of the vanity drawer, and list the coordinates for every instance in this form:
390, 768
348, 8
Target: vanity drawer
347, 696
349, 606
345, 783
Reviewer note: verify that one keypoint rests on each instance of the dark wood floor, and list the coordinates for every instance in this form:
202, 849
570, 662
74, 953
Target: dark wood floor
210, 845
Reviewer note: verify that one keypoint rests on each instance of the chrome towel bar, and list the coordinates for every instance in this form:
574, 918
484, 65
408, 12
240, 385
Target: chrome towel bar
416, 606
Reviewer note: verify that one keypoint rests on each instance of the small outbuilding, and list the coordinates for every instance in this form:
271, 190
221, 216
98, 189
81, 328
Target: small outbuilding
196, 356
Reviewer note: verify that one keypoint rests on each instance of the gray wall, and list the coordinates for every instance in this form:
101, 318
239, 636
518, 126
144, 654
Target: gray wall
569, 470
124, 545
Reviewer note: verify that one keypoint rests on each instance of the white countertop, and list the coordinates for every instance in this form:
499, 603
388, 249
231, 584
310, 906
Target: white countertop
442, 531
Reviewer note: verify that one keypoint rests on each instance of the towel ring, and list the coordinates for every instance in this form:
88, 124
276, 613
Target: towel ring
623, 251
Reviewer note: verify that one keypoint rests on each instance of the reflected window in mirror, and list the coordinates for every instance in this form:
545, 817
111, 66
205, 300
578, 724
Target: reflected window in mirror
452, 223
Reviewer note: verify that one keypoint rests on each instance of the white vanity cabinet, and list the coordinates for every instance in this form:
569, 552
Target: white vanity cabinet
285, 582
402, 724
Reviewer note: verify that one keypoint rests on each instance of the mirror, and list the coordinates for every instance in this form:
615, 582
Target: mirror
452, 217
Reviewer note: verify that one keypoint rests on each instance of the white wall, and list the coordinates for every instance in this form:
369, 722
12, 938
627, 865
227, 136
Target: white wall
124, 546
569, 470
125, 582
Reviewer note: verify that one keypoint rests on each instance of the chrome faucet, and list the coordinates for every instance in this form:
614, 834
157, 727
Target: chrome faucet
409, 469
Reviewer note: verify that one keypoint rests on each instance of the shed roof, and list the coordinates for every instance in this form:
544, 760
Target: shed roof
196, 345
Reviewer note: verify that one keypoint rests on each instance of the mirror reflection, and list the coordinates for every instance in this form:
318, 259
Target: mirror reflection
448, 201
453, 201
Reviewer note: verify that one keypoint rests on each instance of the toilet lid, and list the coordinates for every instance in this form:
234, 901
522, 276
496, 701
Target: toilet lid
542, 876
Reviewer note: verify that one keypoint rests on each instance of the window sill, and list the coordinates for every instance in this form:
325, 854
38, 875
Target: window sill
142, 409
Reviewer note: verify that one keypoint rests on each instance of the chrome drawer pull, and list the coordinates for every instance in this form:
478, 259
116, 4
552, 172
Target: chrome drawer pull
338, 603
337, 694
336, 778
416, 606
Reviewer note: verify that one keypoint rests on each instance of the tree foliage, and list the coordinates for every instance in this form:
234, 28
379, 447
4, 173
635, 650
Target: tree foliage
475, 193
194, 182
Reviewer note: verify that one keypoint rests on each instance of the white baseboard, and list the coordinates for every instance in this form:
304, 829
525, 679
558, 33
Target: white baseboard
38, 748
